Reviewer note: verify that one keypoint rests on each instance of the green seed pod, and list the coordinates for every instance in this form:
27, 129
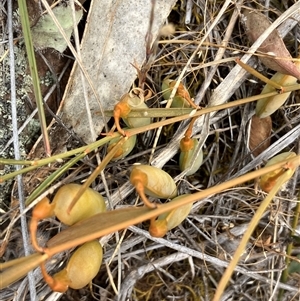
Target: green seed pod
268, 180
89, 204
157, 183
122, 109
188, 147
125, 149
135, 102
82, 267
181, 96
170, 220
267, 106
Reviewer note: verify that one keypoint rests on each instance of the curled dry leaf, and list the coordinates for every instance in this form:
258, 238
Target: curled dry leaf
256, 23
267, 106
260, 132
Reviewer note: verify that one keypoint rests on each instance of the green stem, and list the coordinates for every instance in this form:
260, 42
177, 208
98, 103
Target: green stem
35, 164
54, 176
34, 73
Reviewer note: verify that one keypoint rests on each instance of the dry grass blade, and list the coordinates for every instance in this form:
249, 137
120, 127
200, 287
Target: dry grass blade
190, 262
16, 269
284, 175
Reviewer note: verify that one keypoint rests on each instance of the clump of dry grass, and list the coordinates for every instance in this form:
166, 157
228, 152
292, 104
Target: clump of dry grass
188, 263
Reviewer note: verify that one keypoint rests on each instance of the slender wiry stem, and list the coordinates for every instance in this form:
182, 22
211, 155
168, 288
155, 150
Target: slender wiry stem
24, 228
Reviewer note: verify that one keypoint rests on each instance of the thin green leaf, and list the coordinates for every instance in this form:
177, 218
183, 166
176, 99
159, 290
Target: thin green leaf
34, 73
